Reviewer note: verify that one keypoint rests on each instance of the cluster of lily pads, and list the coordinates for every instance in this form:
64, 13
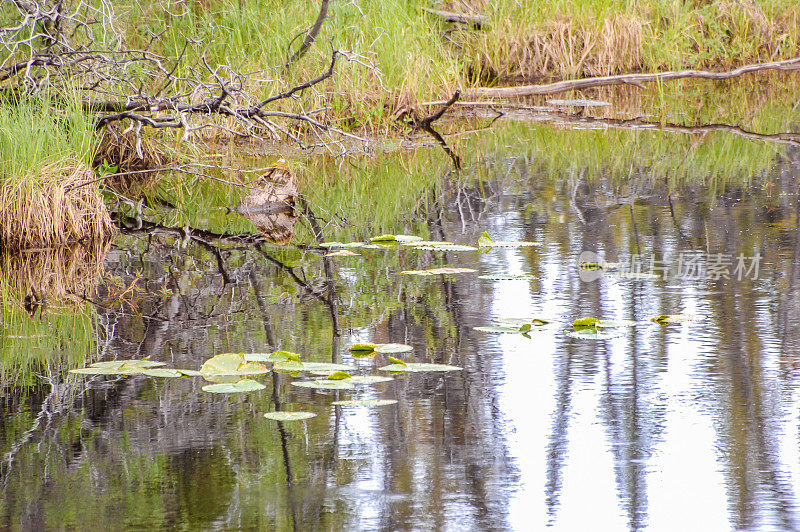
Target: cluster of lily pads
236, 372
583, 328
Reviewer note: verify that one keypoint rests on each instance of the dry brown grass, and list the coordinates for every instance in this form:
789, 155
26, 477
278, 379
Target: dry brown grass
62, 274
565, 49
127, 152
47, 208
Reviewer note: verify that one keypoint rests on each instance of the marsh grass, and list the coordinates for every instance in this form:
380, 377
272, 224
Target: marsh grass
44, 159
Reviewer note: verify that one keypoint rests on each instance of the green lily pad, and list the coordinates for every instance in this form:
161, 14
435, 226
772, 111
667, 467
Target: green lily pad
608, 324
163, 372
416, 272
365, 402
585, 322
419, 367
289, 416
241, 386
342, 253
665, 319
590, 266
393, 348
485, 241
231, 364
428, 243
116, 364
324, 384
341, 244
394, 360
591, 333
507, 277
439, 271
445, 247
289, 366
362, 348
132, 370
519, 322
275, 356
191, 372
396, 238
339, 376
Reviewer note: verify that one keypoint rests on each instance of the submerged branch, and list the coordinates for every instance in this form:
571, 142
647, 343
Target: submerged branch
626, 79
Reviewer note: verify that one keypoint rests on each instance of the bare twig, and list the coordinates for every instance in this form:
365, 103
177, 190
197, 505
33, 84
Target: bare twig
312, 34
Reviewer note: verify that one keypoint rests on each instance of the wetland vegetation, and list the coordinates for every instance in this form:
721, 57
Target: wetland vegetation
270, 268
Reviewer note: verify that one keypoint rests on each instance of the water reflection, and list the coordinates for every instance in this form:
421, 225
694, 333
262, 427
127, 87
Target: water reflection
680, 426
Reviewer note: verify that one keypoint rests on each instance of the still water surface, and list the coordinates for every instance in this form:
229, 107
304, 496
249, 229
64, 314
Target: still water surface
691, 426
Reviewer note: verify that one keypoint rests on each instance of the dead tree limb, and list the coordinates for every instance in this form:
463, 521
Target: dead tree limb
426, 125
626, 79
311, 36
476, 21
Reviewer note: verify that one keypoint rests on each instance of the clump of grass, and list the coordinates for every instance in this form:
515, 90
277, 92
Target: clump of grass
581, 38
123, 151
44, 198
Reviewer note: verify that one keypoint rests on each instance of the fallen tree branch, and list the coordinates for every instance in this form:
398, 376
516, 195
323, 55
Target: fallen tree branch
627, 79
476, 21
426, 125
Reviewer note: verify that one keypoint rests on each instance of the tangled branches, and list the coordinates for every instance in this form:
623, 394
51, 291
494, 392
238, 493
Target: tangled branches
62, 47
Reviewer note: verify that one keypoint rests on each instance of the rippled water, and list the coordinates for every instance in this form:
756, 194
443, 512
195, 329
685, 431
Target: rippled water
679, 427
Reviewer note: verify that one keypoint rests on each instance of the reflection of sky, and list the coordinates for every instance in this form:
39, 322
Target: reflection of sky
682, 478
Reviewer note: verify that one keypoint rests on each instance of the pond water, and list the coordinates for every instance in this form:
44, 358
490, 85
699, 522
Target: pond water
683, 426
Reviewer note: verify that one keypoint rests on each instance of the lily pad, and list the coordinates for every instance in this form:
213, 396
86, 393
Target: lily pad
339, 376
342, 253
450, 271
393, 348
416, 272
428, 243
419, 367
341, 244
275, 356
289, 366
585, 322
191, 372
362, 348
394, 360
498, 329
124, 367
365, 402
241, 386
231, 364
445, 247
519, 322
396, 238
485, 241
116, 364
324, 384
665, 319
163, 372
289, 416
507, 277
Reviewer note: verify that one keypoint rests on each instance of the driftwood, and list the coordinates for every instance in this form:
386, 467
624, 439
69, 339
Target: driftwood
625, 79
459, 18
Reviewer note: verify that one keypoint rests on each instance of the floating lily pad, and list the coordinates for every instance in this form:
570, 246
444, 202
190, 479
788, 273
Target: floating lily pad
396, 238
275, 356
590, 266
419, 367
231, 364
416, 272
394, 360
342, 253
497, 329
324, 384
450, 271
393, 348
446, 247
585, 322
591, 333
507, 277
519, 322
116, 364
289, 366
485, 241
191, 372
163, 372
341, 244
676, 318
365, 402
362, 348
241, 386
428, 243
123, 367
381, 245
339, 376
326, 366
289, 416
615, 323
